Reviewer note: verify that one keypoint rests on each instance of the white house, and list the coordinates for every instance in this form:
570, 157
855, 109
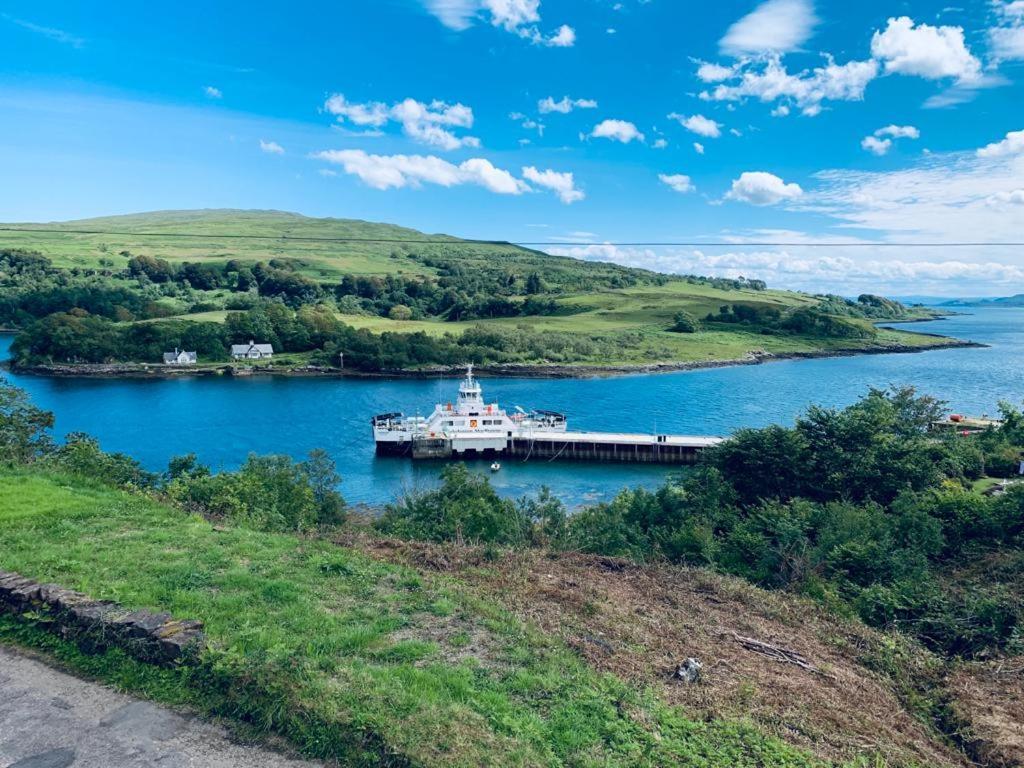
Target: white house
252, 351
180, 357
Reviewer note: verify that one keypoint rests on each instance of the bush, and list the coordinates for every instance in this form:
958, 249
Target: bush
465, 508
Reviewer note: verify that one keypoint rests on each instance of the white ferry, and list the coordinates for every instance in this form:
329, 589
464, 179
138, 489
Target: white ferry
472, 428
468, 427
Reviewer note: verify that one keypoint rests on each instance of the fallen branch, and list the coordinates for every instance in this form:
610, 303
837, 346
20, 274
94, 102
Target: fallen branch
778, 653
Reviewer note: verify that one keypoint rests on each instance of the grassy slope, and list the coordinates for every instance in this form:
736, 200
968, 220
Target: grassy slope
631, 320
348, 655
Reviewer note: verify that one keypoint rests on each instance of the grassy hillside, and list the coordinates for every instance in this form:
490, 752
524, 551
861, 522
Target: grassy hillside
382, 653
226, 234
199, 266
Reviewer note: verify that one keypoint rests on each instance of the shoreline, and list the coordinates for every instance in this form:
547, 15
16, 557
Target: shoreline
512, 370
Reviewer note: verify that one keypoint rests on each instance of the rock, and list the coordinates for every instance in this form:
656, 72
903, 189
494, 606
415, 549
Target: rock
688, 671
54, 758
96, 624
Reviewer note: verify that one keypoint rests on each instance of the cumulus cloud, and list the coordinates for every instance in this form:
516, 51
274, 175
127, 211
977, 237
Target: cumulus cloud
702, 126
520, 17
565, 105
881, 141
709, 72
931, 52
775, 26
1013, 144
770, 81
761, 188
617, 130
660, 143
562, 184
401, 171
1006, 40
875, 145
212, 92
429, 124
271, 147
679, 182
698, 148
398, 171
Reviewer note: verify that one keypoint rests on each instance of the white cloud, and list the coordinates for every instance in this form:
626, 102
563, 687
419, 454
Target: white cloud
57, 35
708, 72
660, 143
212, 93
271, 147
617, 130
876, 145
1007, 40
899, 132
1007, 43
562, 184
698, 148
429, 124
841, 270
520, 17
565, 105
770, 81
398, 171
761, 188
1016, 197
702, 126
923, 50
942, 197
775, 26
679, 182
454, 14
881, 141
1013, 144
780, 111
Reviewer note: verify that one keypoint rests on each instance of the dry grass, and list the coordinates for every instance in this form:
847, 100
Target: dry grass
639, 622
989, 698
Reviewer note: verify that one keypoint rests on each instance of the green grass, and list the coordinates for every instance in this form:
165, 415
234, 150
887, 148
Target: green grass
348, 657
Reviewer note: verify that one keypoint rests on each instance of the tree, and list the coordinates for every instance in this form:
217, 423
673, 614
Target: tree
684, 322
24, 428
322, 475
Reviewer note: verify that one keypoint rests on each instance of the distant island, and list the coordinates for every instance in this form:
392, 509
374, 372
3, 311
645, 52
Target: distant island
1016, 300
138, 294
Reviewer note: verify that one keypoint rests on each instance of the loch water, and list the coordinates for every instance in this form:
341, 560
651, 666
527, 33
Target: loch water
221, 419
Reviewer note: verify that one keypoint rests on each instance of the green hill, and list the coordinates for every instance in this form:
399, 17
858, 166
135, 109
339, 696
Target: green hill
524, 306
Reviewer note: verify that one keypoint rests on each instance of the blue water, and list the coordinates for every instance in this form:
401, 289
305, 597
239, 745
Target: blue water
222, 420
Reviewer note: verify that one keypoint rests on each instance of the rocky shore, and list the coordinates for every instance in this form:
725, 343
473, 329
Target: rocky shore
520, 370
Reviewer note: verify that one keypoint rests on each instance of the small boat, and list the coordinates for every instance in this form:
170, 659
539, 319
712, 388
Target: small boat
495, 467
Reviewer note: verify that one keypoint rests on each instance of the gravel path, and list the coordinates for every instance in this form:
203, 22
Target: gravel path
49, 719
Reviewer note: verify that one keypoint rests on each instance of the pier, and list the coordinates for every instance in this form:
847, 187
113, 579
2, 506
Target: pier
568, 446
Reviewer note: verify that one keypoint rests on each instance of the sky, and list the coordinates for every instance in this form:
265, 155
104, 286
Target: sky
754, 132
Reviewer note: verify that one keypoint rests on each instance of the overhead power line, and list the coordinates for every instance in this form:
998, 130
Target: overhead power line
533, 243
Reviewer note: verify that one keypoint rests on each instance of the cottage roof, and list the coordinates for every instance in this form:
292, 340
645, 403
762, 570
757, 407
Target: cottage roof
244, 349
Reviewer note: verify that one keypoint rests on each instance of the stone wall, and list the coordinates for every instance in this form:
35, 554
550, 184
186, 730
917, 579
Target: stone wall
151, 637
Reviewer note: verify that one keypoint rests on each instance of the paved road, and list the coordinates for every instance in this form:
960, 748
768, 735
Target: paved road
52, 720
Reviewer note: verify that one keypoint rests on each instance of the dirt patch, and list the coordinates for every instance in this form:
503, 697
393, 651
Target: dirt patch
989, 697
640, 622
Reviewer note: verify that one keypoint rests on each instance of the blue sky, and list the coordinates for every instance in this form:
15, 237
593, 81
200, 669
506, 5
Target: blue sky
585, 123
